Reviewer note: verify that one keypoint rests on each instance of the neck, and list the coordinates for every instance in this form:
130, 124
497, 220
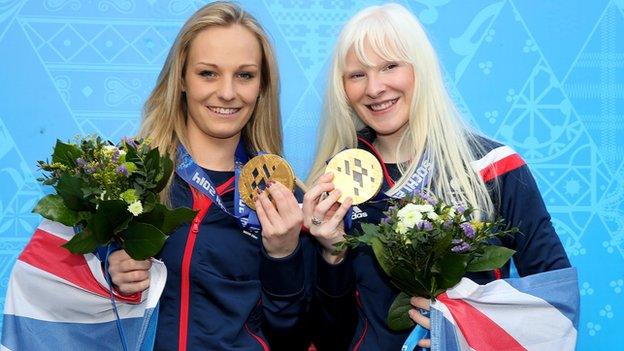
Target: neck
212, 153
387, 146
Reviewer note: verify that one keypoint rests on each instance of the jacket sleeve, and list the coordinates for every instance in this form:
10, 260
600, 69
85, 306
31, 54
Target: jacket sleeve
287, 285
286, 297
334, 306
537, 245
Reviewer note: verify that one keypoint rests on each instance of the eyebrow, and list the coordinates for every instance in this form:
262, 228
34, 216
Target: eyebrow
217, 66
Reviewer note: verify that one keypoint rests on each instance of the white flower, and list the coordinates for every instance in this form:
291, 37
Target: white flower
401, 228
109, 149
409, 216
135, 208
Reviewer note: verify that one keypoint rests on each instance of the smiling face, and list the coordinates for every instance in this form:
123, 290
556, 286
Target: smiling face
222, 81
381, 93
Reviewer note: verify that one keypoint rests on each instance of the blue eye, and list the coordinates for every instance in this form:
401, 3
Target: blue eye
207, 74
246, 75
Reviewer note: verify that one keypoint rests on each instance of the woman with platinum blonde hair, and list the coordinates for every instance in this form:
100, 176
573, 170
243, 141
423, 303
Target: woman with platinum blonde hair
386, 95
215, 104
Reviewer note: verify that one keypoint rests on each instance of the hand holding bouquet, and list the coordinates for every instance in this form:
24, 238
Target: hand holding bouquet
426, 246
110, 193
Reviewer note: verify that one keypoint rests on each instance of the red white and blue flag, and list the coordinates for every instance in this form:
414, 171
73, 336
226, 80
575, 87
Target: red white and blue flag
536, 312
60, 301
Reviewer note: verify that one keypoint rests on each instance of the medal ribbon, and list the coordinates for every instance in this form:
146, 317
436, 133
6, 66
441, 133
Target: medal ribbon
195, 176
417, 181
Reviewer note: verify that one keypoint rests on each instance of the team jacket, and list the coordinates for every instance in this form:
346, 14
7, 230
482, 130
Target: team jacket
356, 294
223, 292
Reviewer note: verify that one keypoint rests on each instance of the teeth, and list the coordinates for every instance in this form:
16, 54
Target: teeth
224, 111
383, 105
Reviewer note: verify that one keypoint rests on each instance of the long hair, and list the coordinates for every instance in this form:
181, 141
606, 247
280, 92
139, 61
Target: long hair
165, 111
435, 126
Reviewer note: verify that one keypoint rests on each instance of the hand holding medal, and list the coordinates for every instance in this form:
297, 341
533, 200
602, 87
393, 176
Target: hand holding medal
266, 185
357, 174
259, 171
352, 176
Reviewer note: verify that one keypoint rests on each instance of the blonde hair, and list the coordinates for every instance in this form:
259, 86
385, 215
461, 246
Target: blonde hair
165, 111
435, 126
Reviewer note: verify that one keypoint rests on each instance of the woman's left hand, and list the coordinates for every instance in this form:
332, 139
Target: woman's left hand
417, 317
281, 220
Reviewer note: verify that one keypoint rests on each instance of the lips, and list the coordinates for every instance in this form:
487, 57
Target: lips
381, 106
225, 111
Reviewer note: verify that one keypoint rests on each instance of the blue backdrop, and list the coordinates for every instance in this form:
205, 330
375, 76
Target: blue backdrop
545, 77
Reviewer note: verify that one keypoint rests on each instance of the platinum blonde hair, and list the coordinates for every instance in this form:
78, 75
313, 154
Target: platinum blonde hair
165, 111
435, 126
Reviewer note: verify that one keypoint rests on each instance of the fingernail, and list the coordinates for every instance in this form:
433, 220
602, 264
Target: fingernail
258, 191
269, 183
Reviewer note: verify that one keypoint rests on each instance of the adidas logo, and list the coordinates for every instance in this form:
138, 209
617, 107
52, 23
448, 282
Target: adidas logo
358, 213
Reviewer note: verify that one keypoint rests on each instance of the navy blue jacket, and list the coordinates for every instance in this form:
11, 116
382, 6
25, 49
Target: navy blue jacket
358, 283
223, 292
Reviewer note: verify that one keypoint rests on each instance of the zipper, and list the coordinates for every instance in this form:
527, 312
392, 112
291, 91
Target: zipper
262, 343
202, 203
363, 335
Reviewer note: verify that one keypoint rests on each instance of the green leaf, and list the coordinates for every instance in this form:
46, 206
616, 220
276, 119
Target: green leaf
81, 243
165, 219
131, 154
53, 208
492, 258
149, 202
380, 254
398, 317
407, 281
110, 218
167, 170
175, 218
143, 240
70, 189
443, 244
152, 160
66, 153
452, 269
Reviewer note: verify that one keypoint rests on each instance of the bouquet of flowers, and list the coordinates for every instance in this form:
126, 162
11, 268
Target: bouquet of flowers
426, 246
110, 194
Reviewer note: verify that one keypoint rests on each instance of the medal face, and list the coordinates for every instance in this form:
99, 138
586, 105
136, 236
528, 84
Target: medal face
258, 171
357, 174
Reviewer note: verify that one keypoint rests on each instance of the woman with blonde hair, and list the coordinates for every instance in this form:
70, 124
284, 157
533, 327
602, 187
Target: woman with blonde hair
215, 104
386, 95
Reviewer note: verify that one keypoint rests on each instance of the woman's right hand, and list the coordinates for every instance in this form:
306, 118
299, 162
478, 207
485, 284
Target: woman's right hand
323, 216
128, 276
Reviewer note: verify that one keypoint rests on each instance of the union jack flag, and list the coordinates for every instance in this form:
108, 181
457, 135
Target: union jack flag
60, 301
536, 312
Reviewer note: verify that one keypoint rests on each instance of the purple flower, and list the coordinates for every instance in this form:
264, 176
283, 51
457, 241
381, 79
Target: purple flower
385, 220
81, 162
122, 170
116, 155
461, 209
461, 248
89, 169
425, 225
130, 142
468, 230
447, 224
430, 200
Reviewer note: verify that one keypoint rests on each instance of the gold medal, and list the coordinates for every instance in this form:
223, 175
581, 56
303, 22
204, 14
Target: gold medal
357, 174
258, 171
